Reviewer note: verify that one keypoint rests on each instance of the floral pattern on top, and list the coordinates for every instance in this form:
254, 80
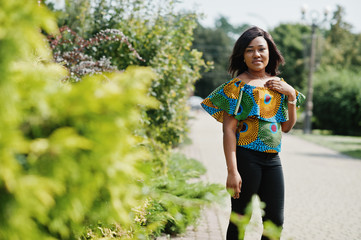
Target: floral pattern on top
259, 110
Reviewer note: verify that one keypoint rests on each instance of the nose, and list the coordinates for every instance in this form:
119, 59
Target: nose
256, 53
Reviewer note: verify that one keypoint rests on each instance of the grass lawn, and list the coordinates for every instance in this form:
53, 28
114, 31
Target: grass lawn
347, 145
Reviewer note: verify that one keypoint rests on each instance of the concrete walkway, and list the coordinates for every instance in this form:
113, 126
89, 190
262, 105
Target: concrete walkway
323, 192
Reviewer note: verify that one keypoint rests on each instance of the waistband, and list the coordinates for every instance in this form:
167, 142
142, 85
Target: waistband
258, 154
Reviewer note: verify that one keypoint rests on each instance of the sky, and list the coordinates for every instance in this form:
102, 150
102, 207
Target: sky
267, 13
270, 13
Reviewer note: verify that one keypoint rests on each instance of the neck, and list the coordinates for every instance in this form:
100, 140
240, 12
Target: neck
259, 75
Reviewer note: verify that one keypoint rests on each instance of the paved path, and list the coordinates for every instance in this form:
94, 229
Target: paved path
323, 192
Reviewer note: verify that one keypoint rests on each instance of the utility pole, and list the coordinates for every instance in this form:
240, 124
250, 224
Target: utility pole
315, 22
307, 128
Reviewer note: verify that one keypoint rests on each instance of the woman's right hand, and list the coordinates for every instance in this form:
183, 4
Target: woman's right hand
234, 183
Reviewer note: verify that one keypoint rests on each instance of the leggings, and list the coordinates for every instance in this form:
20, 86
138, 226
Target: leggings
261, 174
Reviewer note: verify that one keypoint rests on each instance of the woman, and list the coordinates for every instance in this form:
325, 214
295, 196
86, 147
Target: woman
255, 108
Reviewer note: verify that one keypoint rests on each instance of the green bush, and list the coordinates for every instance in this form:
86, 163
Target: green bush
173, 202
291, 41
179, 196
337, 101
162, 37
68, 154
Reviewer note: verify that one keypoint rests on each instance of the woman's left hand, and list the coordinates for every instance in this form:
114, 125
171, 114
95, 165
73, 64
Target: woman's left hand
281, 87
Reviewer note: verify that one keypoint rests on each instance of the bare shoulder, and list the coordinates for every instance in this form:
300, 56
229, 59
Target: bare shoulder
244, 77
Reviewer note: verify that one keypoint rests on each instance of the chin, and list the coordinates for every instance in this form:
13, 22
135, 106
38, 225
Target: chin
257, 68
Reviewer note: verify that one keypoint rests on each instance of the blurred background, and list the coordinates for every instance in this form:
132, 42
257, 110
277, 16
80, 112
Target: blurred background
97, 99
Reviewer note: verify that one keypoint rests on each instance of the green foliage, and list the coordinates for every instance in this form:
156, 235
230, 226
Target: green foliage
271, 230
216, 45
76, 16
339, 29
241, 221
290, 39
70, 50
180, 196
174, 202
162, 37
21, 196
69, 156
337, 101
342, 47
233, 31
336, 90
164, 41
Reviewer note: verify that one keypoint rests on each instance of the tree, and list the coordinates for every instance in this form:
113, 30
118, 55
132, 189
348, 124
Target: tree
338, 101
291, 41
232, 31
216, 45
337, 84
342, 47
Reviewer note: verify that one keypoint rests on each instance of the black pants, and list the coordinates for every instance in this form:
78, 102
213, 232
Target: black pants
261, 174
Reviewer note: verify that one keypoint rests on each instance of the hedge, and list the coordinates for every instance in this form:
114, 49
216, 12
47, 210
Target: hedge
337, 101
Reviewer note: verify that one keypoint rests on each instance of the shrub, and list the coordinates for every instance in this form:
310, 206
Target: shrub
174, 201
337, 101
71, 51
180, 195
68, 153
162, 38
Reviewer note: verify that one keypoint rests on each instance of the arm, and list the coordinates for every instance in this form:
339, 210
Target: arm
234, 180
292, 115
286, 89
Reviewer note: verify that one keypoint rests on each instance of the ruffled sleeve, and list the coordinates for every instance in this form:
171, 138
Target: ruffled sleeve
242, 101
300, 99
223, 99
284, 107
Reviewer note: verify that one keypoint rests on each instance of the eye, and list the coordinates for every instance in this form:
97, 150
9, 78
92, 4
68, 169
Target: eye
249, 50
262, 49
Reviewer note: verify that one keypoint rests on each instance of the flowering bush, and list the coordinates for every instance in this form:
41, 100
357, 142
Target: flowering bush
75, 53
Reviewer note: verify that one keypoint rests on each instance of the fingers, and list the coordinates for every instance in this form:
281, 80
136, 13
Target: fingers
275, 85
233, 185
234, 191
237, 191
272, 84
236, 195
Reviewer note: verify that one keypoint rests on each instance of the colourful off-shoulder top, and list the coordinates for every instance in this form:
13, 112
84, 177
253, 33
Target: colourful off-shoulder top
259, 110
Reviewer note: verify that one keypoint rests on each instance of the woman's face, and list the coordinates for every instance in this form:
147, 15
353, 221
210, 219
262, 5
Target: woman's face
256, 55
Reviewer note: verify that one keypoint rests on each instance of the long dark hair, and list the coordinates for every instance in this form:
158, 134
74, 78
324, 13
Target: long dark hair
236, 61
